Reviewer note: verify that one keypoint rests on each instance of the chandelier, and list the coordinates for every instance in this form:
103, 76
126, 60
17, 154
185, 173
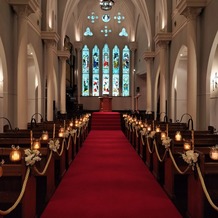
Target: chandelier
106, 5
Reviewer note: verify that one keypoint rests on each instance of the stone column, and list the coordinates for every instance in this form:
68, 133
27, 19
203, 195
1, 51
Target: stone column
78, 47
191, 10
148, 57
23, 10
133, 47
162, 40
63, 55
51, 39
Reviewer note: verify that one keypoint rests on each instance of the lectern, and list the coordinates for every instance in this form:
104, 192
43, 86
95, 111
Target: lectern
105, 103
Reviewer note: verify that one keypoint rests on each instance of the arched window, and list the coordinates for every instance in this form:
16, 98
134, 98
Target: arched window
112, 77
116, 71
126, 70
105, 70
85, 71
95, 71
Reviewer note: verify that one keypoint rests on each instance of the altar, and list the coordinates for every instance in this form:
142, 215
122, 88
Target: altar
105, 103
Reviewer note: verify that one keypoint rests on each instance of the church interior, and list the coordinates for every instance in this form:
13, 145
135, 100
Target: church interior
108, 108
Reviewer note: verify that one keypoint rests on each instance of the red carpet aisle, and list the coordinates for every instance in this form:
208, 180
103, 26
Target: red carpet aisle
109, 180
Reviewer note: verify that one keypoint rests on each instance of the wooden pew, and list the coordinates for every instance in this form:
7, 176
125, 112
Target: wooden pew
198, 205
10, 187
44, 182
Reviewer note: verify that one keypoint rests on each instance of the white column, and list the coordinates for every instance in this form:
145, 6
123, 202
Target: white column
162, 41
133, 47
51, 39
163, 64
78, 46
63, 55
191, 15
22, 84
148, 57
23, 10
190, 9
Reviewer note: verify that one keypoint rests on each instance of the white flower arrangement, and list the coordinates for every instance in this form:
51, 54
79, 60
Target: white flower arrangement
166, 142
66, 133
2, 162
73, 131
54, 145
152, 134
31, 156
144, 131
190, 157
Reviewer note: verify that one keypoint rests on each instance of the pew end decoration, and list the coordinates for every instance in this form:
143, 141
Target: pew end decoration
190, 157
31, 156
214, 152
1, 169
54, 144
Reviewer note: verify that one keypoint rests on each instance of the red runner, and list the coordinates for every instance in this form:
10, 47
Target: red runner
108, 179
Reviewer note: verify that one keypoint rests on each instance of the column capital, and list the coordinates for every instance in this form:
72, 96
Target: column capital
50, 37
78, 45
149, 55
63, 55
25, 7
191, 8
133, 46
162, 39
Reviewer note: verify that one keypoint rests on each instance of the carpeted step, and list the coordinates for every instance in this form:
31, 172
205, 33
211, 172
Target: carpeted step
105, 121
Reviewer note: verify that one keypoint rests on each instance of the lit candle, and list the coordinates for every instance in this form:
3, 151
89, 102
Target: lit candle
157, 129
45, 135
163, 135
15, 156
214, 153
187, 146
36, 145
178, 136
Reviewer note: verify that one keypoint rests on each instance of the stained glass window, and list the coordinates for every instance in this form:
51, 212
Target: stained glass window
113, 74
116, 71
95, 71
106, 69
126, 71
85, 71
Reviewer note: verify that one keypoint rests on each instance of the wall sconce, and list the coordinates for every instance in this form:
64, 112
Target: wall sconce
215, 82
15, 154
36, 144
178, 136
214, 152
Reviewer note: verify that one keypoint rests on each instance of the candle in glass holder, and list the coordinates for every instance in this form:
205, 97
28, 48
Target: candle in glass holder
44, 135
15, 155
36, 144
187, 146
163, 135
214, 153
178, 136
157, 129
